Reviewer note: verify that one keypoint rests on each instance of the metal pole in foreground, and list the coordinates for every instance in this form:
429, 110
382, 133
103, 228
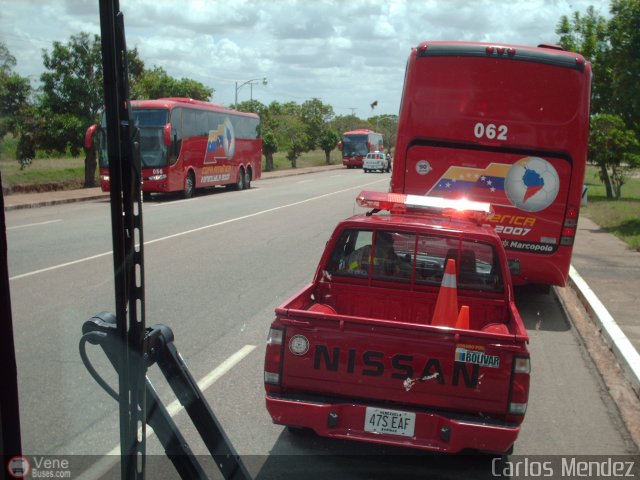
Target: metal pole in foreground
126, 226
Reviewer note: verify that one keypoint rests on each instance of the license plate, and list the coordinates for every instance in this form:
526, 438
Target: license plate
394, 422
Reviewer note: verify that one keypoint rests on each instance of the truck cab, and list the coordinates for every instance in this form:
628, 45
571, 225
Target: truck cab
376, 347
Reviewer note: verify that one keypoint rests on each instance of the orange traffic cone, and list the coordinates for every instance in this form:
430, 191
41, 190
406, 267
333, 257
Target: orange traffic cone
463, 318
446, 311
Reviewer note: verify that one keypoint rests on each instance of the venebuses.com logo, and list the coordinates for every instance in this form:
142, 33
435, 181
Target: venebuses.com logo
38, 467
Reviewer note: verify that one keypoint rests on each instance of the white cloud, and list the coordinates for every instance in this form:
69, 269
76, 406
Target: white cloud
347, 53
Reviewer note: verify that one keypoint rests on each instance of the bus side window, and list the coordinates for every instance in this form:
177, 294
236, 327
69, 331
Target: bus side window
176, 135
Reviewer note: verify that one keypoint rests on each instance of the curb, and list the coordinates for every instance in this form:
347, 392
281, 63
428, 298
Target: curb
616, 340
48, 203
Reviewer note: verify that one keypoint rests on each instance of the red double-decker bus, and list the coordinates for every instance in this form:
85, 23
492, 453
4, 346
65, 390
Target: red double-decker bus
507, 125
187, 144
356, 144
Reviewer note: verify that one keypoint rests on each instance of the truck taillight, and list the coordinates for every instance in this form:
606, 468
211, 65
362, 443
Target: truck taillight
519, 394
570, 226
273, 357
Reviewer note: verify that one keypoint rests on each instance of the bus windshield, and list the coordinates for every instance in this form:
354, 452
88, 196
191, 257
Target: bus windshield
153, 152
150, 123
354, 145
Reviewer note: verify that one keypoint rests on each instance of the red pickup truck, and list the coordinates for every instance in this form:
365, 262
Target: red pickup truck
374, 348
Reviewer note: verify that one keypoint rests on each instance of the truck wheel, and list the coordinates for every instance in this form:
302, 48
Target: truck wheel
189, 185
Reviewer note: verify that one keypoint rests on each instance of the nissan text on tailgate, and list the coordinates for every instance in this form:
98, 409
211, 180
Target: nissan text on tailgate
408, 334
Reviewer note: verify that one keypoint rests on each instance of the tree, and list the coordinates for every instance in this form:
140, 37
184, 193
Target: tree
71, 88
15, 92
612, 47
285, 121
345, 123
624, 36
387, 125
72, 91
610, 146
315, 114
588, 35
252, 106
328, 141
292, 133
269, 147
156, 83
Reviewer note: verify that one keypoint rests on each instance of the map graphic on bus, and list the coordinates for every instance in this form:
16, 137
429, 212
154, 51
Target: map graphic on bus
530, 184
221, 144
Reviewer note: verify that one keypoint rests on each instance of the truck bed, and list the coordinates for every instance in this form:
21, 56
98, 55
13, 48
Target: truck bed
386, 350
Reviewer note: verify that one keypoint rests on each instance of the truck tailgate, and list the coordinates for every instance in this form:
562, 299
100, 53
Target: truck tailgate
416, 365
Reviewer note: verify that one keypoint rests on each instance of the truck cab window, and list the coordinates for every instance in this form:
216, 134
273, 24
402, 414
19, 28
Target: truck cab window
352, 253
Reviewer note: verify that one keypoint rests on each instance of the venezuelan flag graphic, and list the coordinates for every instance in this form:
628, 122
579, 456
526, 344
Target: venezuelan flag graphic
215, 145
478, 184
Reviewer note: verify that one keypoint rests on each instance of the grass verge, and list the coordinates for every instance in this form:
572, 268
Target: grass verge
620, 217
68, 173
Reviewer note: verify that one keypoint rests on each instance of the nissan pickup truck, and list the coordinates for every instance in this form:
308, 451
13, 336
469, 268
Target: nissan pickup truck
366, 351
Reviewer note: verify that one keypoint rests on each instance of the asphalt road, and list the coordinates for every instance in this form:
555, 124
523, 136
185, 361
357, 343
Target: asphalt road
216, 266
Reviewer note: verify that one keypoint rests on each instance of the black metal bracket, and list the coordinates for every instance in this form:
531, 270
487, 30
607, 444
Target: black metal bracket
161, 350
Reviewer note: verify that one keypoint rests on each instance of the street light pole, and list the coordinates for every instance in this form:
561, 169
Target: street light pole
249, 82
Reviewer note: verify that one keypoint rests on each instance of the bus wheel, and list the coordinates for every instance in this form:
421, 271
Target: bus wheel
247, 180
189, 185
240, 181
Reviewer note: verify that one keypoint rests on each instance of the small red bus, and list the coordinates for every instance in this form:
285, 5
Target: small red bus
356, 144
187, 144
503, 124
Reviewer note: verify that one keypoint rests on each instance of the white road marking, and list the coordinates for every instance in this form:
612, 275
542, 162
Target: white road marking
168, 204
194, 230
106, 463
33, 224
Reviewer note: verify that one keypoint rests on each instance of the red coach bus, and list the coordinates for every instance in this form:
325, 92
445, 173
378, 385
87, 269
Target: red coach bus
187, 144
356, 144
507, 125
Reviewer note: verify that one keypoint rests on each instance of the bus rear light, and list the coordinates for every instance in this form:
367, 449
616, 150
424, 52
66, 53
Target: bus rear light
511, 51
104, 178
489, 50
500, 50
566, 241
572, 212
570, 226
273, 357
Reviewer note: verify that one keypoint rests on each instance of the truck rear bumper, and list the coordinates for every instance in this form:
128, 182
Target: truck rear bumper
433, 431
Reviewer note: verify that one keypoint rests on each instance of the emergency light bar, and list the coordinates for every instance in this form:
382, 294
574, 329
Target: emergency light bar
401, 203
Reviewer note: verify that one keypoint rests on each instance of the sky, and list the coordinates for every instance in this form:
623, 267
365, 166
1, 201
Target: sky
347, 53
